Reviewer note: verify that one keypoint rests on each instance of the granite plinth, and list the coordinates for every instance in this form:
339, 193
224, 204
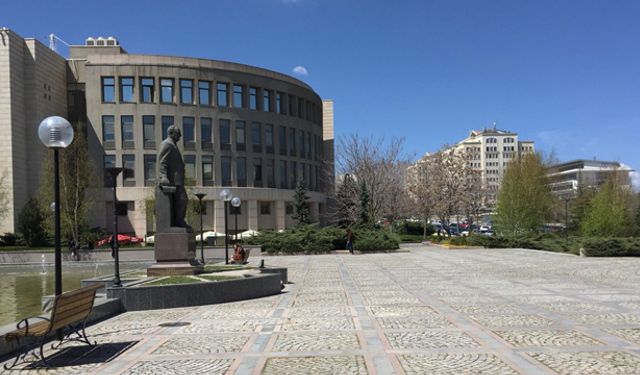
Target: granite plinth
174, 246
173, 269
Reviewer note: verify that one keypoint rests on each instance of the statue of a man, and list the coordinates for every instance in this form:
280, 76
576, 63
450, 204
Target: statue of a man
171, 173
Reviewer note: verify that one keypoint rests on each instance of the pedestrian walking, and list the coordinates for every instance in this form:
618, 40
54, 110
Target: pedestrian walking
350, 241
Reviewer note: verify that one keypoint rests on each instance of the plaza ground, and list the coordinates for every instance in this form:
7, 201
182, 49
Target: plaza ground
427, 311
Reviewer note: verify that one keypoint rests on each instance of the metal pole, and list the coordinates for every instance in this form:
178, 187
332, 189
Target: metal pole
201, 234
236, 229
58, 258
226, 234
116, 281
566, 221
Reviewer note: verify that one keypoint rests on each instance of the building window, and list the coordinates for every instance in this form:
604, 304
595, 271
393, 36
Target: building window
188, 133
253, 98
149, 131
126, 125
256, 137
225, 170
206, 132
307, 146
257, 172
166, 90
270, 173
300, 108
108, 132
225, 134
293, 172
190, 170
109, 161
301, 150
167, 121
292, 142
222, 93
108, 90
238, 96
282, 139
129, 165
266, 100
292, 105
186, 91
279, 102
241, 171
268, 137
265, 208
126, 89
207, 170
204, 93
122, 208
288, 208
283, 174
147, 89
307, 111
240, 136
149, 169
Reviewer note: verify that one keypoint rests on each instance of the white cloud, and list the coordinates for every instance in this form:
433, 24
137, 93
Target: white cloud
300, 70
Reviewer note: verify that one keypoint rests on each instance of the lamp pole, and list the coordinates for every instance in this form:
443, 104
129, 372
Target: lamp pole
566, 221
225, 195
56, 132
236, 202
200, 196
114, 172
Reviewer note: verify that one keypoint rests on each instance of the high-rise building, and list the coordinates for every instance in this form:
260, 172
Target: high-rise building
490, 151
252, 130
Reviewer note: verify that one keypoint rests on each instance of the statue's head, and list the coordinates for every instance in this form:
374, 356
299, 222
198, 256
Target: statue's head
174, 133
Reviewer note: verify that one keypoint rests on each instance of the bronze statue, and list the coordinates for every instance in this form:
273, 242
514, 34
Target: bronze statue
171, 175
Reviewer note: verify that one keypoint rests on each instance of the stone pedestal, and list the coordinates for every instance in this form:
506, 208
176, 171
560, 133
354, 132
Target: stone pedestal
175, 253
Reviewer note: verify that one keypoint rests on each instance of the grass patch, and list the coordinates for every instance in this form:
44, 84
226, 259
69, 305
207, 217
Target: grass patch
221, 278
212, 269
174, 280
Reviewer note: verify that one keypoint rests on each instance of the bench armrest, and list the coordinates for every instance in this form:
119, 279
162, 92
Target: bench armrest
24, 323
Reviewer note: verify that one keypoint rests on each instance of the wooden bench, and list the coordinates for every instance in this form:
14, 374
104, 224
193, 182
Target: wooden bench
69, 315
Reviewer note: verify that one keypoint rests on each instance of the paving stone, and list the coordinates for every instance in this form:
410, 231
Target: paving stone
390, 311
430, 340
181, 367
544, 338
338, 365
608, 363
455, 364
315, 324
511, 320
413, 322
487, 308
202, 344
630, 334
315, 342
610, 318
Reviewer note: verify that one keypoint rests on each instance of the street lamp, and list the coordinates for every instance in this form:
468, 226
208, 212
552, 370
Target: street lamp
200, 196
566, 221
236, 202
225, 195
114, 172
56, 132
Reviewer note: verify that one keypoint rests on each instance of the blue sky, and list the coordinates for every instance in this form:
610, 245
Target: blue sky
565, 74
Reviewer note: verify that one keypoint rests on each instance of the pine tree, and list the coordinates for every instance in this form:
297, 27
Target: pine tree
31, 223
300, 204
347, 202
364, 209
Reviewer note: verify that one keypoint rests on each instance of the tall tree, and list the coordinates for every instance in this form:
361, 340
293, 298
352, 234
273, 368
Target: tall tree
301, 204
346, 201
77, 176
372, 161
449, 182
421, 187
524, 200
611, 211
31, 223
364, 207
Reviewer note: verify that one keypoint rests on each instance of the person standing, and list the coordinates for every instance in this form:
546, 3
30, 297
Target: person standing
350, 241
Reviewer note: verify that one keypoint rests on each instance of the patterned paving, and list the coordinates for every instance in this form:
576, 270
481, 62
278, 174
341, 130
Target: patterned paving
427, 311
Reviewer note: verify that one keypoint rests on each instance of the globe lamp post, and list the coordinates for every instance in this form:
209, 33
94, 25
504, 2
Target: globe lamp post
236, 202
225, 195
114, 172
56, 132
200, 196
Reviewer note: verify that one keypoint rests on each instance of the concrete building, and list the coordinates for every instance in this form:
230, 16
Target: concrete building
251, 130
490, 151
568, 177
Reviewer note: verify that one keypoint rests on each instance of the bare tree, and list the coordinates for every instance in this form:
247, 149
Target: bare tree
346, 201
449, 183
474, 193
372, 162
422, 189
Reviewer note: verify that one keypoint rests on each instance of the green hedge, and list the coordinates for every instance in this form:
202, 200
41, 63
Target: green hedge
611, 247
547, 241
309, 239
